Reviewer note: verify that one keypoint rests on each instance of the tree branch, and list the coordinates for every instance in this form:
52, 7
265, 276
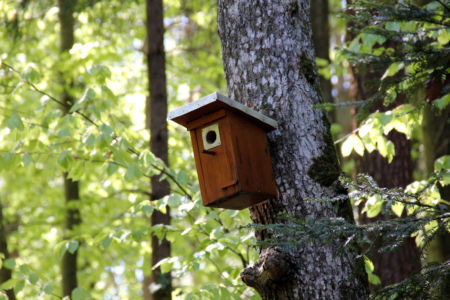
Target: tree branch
270, 268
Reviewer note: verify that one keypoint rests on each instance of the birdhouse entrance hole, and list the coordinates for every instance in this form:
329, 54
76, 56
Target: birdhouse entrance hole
211, 136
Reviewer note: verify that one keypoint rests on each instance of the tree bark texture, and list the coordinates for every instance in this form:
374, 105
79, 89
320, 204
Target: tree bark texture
5, 273
269, 65
321, 37
158, 142
71, 188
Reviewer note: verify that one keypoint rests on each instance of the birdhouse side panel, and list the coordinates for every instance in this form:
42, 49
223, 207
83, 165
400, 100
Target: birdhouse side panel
252, 153
198, 165
216, 157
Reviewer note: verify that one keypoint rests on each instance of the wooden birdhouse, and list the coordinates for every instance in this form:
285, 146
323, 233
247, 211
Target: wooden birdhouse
231, 151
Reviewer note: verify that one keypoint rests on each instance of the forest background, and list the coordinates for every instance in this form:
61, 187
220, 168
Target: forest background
45, 147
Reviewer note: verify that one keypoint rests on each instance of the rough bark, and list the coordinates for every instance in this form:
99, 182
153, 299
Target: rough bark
71, 188
321, 37
269, 65
158, 142
5, 273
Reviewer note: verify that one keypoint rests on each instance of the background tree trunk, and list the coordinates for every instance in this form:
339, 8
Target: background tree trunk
436, 143
269, 66
71, 188
391, 267
5, 273
158, 143
321, 38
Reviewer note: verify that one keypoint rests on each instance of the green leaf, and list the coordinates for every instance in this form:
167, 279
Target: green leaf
24, 269
347, 146
34, 278
48, 289
137, 235
27, 160
393, 26
365, 128
61, 248
147, 209
80, 294
90, 94
443, 37
111, 168
30, 74
130, 174
10, 263
106, 242
108, 94
382, 146
182, 178
390, 151
358, 145
73, 246
166, 267
174, 200
442, 103
105, 129
90, 140
146, 157
374, 210
19, 286
374, 279
9, 284
398, 209
445, 179
123, 144
368, 264
65, 159
393, 69
15, 122
77, 171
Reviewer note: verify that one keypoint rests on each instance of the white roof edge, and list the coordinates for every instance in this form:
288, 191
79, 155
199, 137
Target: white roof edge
219, 97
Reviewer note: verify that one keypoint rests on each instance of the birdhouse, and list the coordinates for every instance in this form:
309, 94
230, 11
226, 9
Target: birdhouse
231, 151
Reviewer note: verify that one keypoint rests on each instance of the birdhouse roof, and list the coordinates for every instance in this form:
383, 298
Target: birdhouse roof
214, 102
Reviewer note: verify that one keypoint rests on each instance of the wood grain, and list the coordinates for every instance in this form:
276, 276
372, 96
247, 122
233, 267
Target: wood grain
206, 119
240, 172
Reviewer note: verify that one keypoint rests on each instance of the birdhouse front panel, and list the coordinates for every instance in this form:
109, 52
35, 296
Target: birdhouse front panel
231, 151
215, 159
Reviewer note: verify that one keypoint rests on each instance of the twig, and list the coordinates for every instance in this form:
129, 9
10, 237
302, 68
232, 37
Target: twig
51, 97
341, 139
444, 5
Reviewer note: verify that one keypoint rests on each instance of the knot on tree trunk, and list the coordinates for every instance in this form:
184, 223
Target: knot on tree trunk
270, 268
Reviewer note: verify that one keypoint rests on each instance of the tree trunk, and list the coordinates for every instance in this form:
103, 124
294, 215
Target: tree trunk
269, 65
5, 273
158, 144
71, 188
321, 38
436, 143
392, 267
